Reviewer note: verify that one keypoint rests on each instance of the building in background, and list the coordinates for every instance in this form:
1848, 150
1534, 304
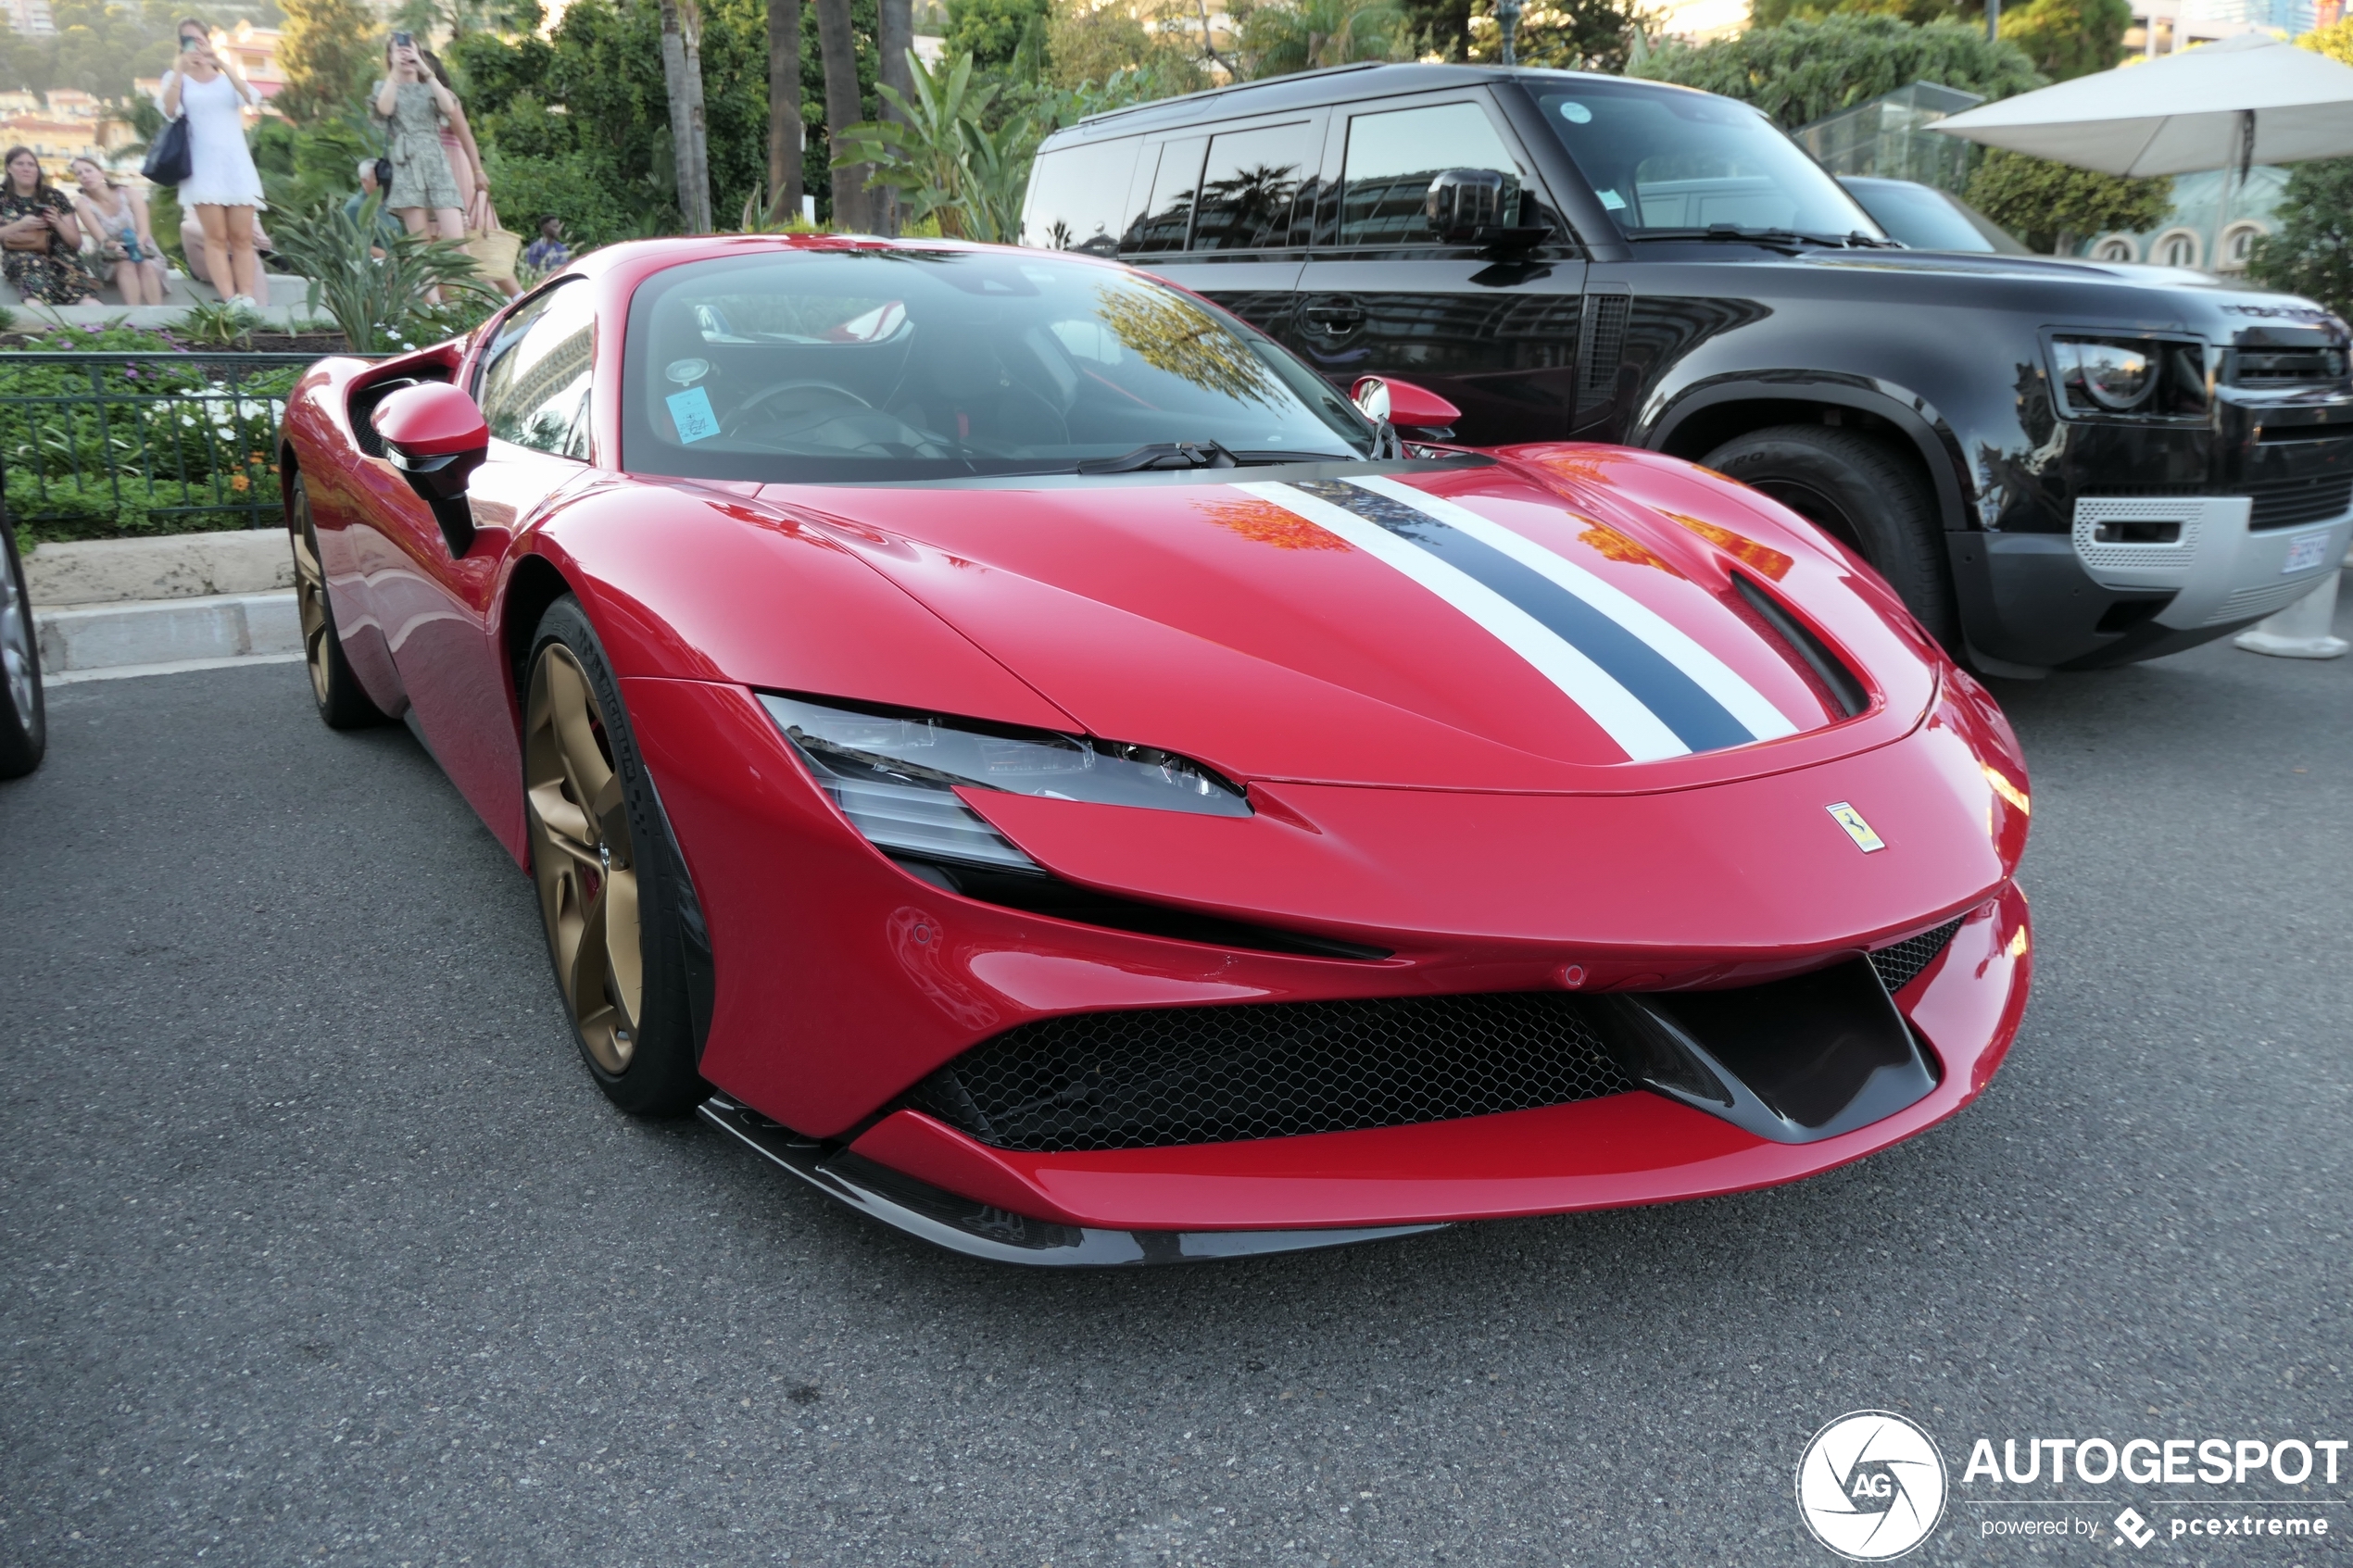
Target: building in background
30, 18
2211, 227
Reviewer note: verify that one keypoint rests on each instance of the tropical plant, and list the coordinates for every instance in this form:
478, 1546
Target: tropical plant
2051, 206
1801, 70
221, 324
1279, 37
926, 153
376, 284
992, 30
2312, 253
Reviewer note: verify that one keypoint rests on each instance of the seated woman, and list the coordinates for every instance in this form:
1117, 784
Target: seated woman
117, 217
40, 240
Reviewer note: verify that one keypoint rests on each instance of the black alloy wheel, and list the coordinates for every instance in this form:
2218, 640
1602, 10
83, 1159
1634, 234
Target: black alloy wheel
24, 723
1869, 498
344, 704
613, 890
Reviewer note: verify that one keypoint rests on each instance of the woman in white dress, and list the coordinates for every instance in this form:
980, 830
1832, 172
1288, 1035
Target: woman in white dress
116, 214
222, 189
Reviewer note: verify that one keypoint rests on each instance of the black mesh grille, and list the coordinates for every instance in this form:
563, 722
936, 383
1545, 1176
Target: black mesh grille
1217, 1075
2284, 503
1898, 966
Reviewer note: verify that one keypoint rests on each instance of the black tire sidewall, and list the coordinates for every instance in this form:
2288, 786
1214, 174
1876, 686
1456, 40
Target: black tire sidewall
24, 737
346, 705
1888, 513
660, 1079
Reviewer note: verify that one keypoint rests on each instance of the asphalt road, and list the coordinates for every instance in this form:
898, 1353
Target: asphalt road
318, 1246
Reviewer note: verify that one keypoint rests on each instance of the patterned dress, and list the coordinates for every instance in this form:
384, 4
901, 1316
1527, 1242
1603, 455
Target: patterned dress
54, 276
420, 174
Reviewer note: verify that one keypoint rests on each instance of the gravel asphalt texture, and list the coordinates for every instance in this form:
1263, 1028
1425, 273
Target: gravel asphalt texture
320, 1247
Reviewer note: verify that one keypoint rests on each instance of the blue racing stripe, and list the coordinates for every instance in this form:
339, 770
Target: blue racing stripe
1697, 719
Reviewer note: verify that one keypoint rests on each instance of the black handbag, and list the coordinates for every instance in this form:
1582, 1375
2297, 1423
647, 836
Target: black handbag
169, 158
384, 180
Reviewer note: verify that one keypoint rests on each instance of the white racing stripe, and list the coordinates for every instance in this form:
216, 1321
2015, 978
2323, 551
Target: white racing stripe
1708, 673
1642, 735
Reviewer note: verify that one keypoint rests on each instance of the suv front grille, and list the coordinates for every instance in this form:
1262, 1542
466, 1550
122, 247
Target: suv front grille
2288, 367
1158, 1077
2284, 503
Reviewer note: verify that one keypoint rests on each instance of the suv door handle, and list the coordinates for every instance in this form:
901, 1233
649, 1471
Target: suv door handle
1333, 315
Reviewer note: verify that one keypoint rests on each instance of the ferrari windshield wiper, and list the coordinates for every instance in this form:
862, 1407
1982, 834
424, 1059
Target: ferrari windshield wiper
1163, 455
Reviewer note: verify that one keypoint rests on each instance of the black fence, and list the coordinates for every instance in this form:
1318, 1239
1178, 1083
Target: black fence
106, 445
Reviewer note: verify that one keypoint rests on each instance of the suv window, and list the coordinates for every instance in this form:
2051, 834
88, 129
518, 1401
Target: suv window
1167, 216
1248, 189
1076, 194
534, 386
1394, 156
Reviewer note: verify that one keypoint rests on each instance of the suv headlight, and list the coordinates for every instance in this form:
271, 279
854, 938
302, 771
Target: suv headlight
894, 776
2156, 377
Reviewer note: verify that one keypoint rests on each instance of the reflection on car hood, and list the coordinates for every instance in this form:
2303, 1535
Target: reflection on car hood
1480, 628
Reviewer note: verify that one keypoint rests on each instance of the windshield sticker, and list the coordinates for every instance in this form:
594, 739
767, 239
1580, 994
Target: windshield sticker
690, 411
1612, 200
1576, 113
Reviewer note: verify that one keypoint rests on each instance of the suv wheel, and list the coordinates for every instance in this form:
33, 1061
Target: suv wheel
1864, 496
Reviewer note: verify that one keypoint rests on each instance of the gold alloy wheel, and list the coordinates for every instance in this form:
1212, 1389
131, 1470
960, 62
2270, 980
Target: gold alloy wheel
311, 598
583, 858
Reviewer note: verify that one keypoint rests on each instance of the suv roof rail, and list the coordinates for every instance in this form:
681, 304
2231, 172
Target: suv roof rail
1234, 87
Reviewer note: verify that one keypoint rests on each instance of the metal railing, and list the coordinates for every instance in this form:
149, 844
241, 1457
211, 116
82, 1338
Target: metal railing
138, 443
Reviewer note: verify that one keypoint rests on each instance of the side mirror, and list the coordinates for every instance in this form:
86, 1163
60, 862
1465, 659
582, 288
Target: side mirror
1462, 202
435, 435
1406, 406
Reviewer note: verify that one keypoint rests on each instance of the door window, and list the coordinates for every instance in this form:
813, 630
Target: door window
534, 388
1076, 194
1248, 189
1167, 216
1394, 156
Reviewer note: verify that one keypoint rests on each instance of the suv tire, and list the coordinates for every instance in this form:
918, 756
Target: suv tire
1868, 499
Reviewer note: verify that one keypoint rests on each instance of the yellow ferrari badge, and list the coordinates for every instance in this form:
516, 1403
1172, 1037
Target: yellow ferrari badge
1856, 828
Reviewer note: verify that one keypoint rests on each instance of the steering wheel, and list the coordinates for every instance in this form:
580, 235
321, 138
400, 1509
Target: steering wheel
752, 404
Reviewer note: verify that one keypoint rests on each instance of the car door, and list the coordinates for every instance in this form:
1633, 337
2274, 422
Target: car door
1494, 330
1227, 211
532, 379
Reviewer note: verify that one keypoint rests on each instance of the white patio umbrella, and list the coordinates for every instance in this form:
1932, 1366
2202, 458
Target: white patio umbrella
2248, 99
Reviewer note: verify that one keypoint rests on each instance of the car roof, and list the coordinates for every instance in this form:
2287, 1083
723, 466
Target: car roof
1314, 89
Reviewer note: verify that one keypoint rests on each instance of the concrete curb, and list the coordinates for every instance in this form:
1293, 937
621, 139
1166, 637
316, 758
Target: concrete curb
88, 640
172, 566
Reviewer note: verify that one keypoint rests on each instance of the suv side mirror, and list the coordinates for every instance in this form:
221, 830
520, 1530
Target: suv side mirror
1403, 405
435, 436
1462, 202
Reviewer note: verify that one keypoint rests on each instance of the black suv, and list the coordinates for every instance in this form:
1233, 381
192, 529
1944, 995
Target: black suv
2059, 464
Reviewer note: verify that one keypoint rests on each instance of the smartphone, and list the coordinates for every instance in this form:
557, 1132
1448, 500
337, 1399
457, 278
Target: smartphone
187, 43
403, 40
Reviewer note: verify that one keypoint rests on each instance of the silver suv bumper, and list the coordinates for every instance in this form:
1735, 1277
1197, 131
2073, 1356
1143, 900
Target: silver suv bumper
2220, 571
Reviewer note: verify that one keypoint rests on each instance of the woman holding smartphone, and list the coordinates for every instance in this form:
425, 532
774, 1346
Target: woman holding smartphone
40, 242
414, 106
222, 189
117, 216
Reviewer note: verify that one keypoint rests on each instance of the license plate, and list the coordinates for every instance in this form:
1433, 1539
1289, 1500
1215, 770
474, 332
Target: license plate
2304, 553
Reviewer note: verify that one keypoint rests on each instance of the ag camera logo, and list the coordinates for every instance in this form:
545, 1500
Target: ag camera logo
1871, 1486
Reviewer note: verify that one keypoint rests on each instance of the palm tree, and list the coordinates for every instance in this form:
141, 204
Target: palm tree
682, 79
784, 109
837, 42
1308, 34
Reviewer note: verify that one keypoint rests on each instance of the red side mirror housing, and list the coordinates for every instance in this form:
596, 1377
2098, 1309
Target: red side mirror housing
1407, 406
435, 435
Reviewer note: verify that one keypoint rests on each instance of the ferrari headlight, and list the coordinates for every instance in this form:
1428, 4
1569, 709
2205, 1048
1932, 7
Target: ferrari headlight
894, 776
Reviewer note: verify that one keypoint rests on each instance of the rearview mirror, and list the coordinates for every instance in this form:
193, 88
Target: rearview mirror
435, 435
1407, 406
1462, 202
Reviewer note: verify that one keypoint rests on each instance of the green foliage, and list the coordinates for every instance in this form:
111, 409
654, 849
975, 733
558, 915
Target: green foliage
1801, 70
218, 324
2070, 38
378, 302
1279, 37
332, 50
1773, 13
98, 46
303, 166
109, 454
992, 30
2050, 206
2312, 252
2336, 41
1565, 35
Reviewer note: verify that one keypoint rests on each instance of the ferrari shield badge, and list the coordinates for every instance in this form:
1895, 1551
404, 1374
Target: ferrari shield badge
1856, 828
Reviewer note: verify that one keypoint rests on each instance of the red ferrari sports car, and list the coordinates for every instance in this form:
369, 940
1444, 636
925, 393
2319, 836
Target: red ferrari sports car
1000, 737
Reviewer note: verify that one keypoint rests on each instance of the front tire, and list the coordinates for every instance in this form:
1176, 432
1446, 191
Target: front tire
24, 721
607, 888
344, 704
1868, 498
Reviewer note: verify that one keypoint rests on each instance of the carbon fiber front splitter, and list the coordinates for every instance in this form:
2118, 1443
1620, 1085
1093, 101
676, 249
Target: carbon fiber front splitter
979, 1231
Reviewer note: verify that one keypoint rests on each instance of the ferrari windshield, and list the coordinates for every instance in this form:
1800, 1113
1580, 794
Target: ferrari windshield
1665, 160
825, 366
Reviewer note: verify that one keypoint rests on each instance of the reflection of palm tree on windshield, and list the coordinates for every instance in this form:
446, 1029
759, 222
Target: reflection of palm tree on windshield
1169, 333
1241, 212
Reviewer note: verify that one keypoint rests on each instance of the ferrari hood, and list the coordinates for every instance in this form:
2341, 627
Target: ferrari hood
1483, 626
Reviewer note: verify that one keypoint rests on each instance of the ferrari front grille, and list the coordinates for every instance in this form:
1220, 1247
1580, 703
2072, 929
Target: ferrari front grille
1900, 964
1218, 1074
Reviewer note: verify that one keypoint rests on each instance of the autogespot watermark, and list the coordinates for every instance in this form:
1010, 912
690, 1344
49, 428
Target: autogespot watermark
1872, 1485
